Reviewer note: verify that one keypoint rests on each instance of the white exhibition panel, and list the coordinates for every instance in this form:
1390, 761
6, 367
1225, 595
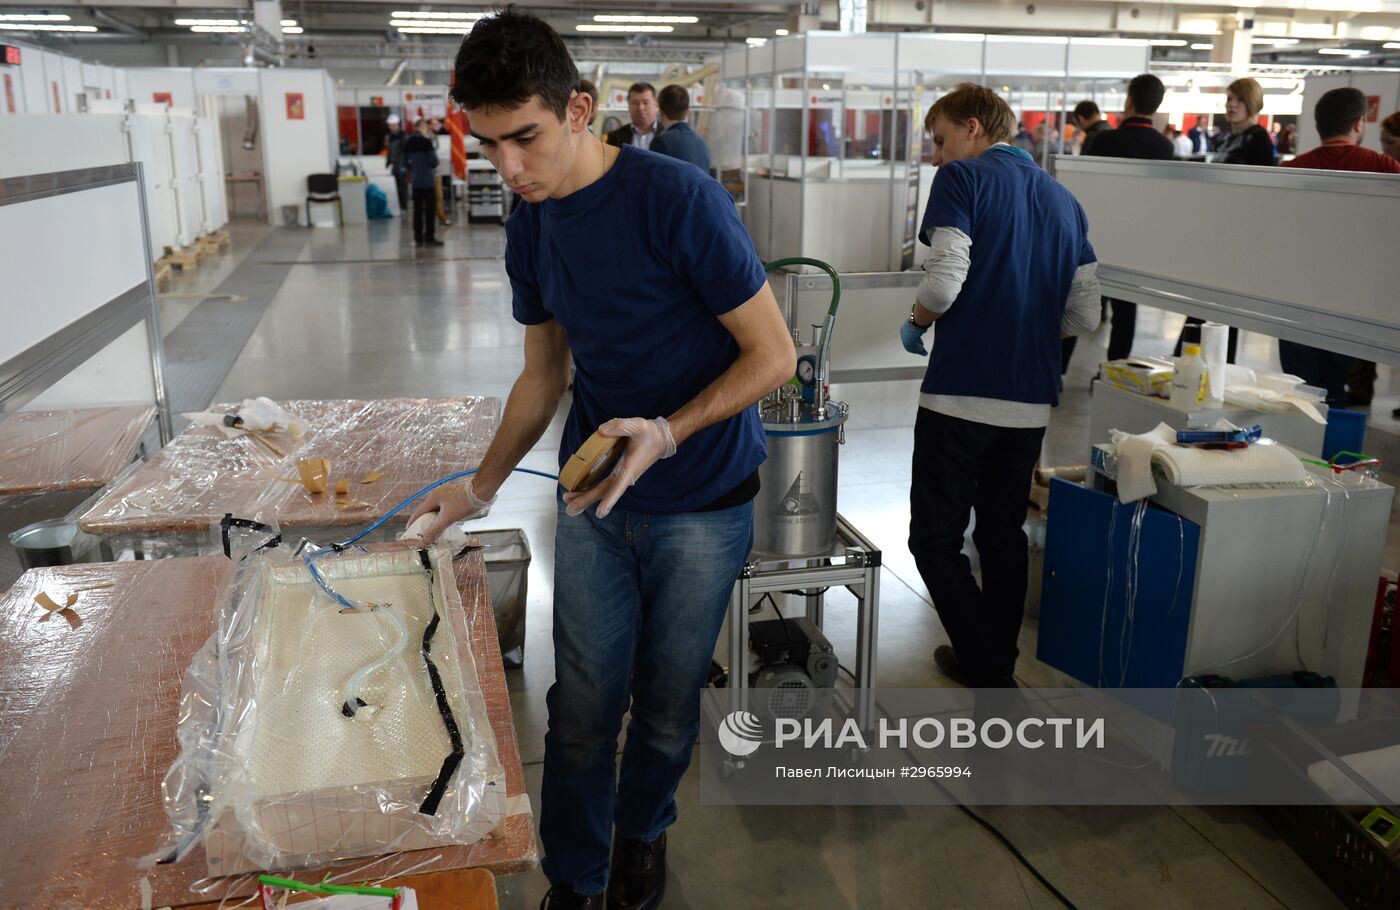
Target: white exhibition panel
1108, 57
185, 180
826, 50
144, 84
1012, 55
45, 143
31, 66
787, 53
73, 83
1331, 285
211, 169
104, 224
941, 54
53, 84
119, 84
150, 146
295, 149
865, 344
226, 81
845, 223
119, 374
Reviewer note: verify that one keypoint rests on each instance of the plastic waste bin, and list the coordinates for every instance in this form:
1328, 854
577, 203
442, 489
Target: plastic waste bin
507, 558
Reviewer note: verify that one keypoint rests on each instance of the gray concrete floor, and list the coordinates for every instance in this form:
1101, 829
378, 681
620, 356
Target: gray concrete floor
364, 315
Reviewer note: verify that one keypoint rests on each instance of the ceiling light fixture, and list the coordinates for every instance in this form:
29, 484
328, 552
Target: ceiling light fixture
1274, 42
218, 29
34, 17
679, 20
1392, 45
755, 42
625, 28
780, 32
207, 22
43, 27
1167, 42
431, 30
292, 29
1203, 47
408, 14
1343, 52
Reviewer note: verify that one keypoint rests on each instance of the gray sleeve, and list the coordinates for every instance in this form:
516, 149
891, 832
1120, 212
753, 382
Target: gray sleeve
1083, 311
945, 269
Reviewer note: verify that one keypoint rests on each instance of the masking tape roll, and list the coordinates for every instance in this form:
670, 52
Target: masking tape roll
314, 474
593, 461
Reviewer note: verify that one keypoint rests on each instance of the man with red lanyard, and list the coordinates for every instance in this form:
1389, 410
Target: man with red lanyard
1135, 137
1341, 122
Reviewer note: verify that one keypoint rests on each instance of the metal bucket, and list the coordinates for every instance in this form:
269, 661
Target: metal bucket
795, 512
55, 542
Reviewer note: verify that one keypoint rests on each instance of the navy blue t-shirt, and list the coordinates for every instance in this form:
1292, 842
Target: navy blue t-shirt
636, 267
1001, 337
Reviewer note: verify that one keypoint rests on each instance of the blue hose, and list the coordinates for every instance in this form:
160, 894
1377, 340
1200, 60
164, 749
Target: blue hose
337, 547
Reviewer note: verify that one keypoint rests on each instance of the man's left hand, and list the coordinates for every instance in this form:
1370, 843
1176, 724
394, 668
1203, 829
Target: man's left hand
648, 441
912, 337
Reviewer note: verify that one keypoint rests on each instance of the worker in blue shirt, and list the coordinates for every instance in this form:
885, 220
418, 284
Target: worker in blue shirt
1010, 271
677, 139
635, 267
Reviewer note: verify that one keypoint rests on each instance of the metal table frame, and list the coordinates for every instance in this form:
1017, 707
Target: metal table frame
853, 564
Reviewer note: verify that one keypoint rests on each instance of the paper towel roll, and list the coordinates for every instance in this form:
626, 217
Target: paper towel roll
1215, 341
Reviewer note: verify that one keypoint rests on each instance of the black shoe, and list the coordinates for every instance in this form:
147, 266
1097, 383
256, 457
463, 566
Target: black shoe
561, 898
947, 660
637, 879
436, 243
417, 242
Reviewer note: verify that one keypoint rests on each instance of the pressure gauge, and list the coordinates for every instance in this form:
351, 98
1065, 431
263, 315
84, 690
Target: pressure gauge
807, 370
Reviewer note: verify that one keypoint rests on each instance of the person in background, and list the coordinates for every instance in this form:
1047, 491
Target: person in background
1247, 142
420, 164
677, 139
1288, 140
1023, 140
1390, 135
1181, 143
980, 425
1202, 136
1135, 137
641, 106
393, 157
587, 87
435, 129
1340, 115
1090, 121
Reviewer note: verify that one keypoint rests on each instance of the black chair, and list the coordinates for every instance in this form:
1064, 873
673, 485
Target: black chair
323, 188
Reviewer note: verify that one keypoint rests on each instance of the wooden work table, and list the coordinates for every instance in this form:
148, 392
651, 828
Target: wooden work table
88, 714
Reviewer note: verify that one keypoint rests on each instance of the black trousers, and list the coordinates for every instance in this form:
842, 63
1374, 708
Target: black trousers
1324, 369
961, 467
401, 185
424, 215
1234, 338
1120, 336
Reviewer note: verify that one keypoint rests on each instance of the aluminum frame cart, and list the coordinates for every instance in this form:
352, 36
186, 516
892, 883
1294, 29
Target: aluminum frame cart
853, 564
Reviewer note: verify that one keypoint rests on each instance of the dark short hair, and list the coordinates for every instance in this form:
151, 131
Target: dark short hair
1337, 110
588, 88
511, 57
1086, 109
637, 87
1147, 92
674, 102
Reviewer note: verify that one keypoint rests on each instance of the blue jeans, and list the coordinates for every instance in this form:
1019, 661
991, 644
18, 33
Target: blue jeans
638, 604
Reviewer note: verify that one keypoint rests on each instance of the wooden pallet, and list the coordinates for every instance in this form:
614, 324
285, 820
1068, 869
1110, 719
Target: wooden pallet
164, 273
184, 258
221, 238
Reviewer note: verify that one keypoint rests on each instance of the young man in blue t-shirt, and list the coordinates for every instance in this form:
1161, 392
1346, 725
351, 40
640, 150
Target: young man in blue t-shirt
1010, 272
637, 265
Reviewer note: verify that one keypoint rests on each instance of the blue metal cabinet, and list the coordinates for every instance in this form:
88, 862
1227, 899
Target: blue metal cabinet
1092, 624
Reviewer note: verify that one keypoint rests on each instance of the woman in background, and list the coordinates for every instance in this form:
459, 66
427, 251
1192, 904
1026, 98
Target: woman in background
1246, 142
1390, 135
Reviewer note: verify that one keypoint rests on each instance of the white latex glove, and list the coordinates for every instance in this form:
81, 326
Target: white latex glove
648, 441
452, 503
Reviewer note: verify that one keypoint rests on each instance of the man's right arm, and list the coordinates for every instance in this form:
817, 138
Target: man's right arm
533, 401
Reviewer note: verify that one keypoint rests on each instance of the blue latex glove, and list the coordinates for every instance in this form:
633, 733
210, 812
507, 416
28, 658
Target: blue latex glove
912, 337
